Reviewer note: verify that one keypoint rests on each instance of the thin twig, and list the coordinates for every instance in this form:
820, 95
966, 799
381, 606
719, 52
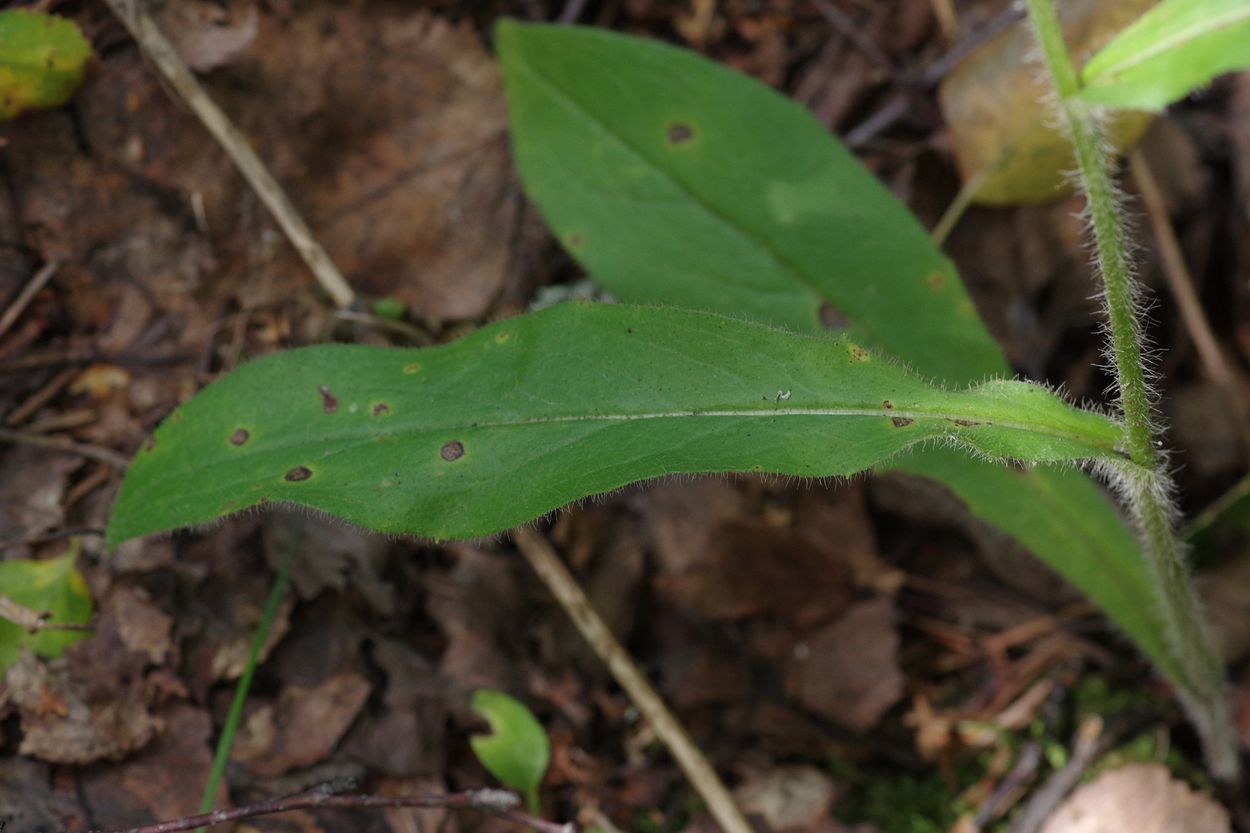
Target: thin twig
668, 729
1177, 273
159, 50
1089, 743
495, 802
33, 621
94, 452
847, 28
28, 293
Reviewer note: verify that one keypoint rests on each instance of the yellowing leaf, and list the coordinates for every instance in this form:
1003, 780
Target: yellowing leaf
43, 60
50, 586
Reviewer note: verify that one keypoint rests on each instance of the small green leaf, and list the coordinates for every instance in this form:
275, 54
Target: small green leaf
517, 750
526, 415
1170, 51
390, 309
50, 586
42, 60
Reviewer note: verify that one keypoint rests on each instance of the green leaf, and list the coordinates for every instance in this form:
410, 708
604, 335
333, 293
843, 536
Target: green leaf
522, 417
42, 60
676, 181
49, 586
700, 223
517, 750
1170, 51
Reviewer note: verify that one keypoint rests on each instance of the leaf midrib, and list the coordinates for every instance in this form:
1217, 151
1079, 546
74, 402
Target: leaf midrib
1176, 39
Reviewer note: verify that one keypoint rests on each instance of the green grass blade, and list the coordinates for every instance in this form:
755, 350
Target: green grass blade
757, 211
525, 416
1170, 51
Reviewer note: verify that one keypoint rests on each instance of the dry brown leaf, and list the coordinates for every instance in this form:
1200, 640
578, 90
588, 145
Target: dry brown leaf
793, 799
848, 671
1142, 798
302, 727
999, 125
63, 723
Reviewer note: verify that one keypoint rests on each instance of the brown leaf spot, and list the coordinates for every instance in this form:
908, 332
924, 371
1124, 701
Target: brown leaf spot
936, 281
575, 240
859, 354
240, 436
329, 403
502, 337
832, 318
149, 444
887, 404
412, 367
452, 451
679, 133
380, 408
965, 423
297, 474
901, 422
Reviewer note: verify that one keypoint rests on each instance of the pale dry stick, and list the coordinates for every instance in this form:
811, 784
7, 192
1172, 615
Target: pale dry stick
161, 53
720, 803
28, 293
1177, 274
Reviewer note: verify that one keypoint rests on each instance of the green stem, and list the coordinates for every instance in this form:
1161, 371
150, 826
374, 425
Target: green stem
1149, 487
231, 727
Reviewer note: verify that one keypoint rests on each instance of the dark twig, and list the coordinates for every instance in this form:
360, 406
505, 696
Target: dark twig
900, 103
499, 803
94, 452
28, 293
1090, 742
847, 29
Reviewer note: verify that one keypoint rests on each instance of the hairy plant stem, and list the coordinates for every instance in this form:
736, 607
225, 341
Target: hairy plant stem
1148, 487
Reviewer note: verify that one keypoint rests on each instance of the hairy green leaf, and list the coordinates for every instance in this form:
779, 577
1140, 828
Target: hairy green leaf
42, 60
1170, 51
517, 751
51, 586
525, 416
758, 211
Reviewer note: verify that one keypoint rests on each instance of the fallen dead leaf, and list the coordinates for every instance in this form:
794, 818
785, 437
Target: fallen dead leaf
302, 727
1143, 798
794, 799
848, 671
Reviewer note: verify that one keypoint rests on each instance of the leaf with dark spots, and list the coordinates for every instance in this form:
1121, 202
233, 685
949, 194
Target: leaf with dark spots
901, 422
240, 436
329, 403
298, 474
679, 133
381, 408
687, 392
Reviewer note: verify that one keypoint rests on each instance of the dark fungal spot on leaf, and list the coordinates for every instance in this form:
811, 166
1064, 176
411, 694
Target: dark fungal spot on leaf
629, 331
329, 403
575, 240
859, 354
901, 422
452, 451
936, 281
149, 444
679, 132
832, 318
298, 474
887, 404
380, 408
965, 423
240, 436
